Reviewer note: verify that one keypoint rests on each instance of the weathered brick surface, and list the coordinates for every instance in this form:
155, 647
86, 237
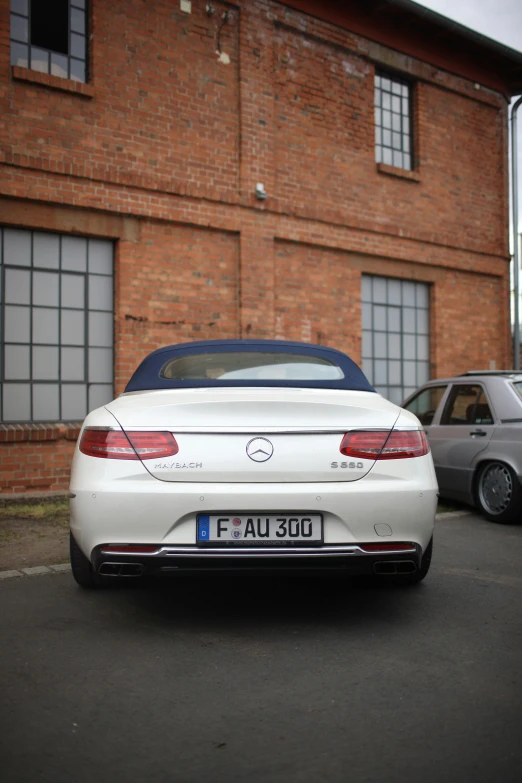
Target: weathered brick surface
37, 457
179, 283
162, 151
331, 308
472, 340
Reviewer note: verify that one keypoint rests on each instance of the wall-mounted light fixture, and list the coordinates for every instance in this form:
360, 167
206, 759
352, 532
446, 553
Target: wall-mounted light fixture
261, 193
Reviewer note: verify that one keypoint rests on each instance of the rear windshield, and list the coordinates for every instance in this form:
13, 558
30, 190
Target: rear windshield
518, 387
251, 366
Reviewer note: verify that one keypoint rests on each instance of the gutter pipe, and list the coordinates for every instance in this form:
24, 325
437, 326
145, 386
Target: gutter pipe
516, 237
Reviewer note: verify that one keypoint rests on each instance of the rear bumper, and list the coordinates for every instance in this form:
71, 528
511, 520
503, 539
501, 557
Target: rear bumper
168, 559
157, 512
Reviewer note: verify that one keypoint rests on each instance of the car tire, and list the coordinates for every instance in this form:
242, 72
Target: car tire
82, 569
498, 493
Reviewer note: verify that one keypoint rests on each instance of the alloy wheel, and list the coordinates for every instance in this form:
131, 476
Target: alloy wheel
495, 488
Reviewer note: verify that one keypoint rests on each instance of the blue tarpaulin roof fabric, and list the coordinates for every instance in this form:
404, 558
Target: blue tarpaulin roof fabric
148, 377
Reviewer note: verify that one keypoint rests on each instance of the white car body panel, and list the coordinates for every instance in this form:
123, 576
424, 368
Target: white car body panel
118, 501
249, 408
210, 427
143, 510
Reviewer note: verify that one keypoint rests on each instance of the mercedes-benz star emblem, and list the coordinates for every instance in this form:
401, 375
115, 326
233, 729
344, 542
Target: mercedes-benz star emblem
259, 449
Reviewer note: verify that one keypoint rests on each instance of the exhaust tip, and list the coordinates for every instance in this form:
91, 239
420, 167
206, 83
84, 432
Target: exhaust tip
109, 569
121, 569
388, 568
132, 569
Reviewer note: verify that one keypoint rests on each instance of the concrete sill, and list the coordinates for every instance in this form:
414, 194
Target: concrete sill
394, 171
54, 82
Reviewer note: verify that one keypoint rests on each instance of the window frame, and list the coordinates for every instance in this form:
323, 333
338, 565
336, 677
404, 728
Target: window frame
515, 386
448, 402
400, 334
404, 81
440, 407
71, 4
87, 309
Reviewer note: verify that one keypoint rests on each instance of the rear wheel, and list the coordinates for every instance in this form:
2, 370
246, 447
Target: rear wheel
499, 494
82, 569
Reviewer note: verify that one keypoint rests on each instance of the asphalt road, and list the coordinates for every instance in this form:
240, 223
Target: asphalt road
276, 679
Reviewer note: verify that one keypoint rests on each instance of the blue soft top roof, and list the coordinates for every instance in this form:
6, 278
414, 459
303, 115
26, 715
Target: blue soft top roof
147, 376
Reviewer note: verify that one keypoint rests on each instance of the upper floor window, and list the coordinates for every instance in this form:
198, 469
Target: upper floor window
50, 36
393, 123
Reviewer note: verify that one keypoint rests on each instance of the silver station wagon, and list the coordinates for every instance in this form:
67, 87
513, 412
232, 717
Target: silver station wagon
474, 427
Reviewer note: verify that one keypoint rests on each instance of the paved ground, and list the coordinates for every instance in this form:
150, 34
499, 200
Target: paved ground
271, 679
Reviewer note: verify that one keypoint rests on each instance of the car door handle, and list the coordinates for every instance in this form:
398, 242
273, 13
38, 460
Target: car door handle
478, 432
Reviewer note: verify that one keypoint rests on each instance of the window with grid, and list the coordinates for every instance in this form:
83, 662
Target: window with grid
393, 121
396, 341
50, 36
56, 326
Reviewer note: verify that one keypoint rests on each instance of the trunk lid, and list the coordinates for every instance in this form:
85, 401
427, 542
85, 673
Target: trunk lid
255, 434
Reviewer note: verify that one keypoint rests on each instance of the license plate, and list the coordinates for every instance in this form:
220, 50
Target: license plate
260, 530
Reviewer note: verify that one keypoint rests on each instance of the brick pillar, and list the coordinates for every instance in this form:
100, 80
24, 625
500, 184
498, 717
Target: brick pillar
256, 101
256, 275
256, 266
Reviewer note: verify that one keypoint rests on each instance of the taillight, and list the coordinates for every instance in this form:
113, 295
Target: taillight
383, 444
114, 444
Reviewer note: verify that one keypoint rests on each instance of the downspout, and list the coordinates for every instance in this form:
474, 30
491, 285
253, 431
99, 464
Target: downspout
516, 238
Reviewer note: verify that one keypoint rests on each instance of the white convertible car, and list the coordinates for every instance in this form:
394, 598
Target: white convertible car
251, 454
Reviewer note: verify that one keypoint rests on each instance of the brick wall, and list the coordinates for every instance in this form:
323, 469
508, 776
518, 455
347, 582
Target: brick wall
37, 457
179, 283
331, 305
162, 150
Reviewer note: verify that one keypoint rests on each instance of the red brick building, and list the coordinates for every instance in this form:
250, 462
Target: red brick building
138, 142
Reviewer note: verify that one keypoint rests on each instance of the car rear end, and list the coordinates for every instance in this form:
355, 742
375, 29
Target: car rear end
251, 478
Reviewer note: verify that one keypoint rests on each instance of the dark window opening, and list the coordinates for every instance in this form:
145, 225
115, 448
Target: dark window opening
50, 25
50, 36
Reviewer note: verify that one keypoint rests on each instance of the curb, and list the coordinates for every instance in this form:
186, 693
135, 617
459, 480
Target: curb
36, 571
452, 514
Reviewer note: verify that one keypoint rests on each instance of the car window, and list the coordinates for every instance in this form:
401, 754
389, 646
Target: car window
251, 365
467, 404
425, 403
518, 387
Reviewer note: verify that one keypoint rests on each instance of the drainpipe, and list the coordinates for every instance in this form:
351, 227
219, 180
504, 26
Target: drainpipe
516, 237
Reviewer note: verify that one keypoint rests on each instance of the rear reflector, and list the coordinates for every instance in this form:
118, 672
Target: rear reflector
114, 444
387, 547
131, 549
383, 444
